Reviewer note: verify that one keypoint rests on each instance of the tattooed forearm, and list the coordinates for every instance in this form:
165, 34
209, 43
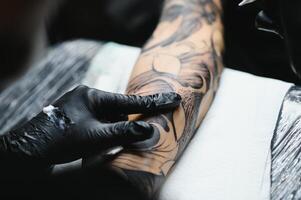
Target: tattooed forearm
208, 10
183, 56
192, 16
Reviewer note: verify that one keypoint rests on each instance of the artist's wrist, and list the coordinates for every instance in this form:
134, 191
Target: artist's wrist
9, 151
26, 145
3, 147
17, 165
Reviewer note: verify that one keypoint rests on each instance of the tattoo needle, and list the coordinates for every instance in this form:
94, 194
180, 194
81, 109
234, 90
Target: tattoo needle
103, 157
244, 2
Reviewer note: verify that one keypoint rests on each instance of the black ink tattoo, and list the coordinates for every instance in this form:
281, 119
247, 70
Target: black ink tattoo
193, 80
188, 67
193, 13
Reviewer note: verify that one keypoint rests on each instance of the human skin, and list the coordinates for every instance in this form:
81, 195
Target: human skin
184, 56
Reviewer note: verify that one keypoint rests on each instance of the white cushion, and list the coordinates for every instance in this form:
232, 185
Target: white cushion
229, 157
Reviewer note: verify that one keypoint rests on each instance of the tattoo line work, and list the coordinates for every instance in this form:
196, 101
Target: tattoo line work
179, 64
193, 14
192, 80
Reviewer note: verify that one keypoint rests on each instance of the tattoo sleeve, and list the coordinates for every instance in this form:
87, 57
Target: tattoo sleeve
183, 56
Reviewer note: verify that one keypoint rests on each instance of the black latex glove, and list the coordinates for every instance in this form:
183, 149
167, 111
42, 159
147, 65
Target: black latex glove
82, 122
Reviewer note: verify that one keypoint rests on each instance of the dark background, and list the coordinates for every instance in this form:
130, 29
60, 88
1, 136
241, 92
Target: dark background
132, 22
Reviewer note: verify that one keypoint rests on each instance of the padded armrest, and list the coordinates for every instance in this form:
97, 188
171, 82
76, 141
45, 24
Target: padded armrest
229, 157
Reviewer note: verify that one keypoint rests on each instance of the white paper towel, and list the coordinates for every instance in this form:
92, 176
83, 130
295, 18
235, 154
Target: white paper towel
229, 156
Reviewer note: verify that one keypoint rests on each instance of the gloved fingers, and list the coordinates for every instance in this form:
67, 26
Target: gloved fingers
132, 104
123, 133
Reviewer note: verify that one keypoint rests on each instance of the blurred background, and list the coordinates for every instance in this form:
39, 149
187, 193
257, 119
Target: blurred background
131, 22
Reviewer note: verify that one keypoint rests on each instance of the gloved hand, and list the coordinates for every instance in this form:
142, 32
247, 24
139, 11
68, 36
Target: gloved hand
82, 122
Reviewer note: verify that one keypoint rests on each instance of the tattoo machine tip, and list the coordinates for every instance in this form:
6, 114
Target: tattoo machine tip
244, 2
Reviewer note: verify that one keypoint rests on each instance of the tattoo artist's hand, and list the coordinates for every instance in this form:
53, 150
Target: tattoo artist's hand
82, 122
